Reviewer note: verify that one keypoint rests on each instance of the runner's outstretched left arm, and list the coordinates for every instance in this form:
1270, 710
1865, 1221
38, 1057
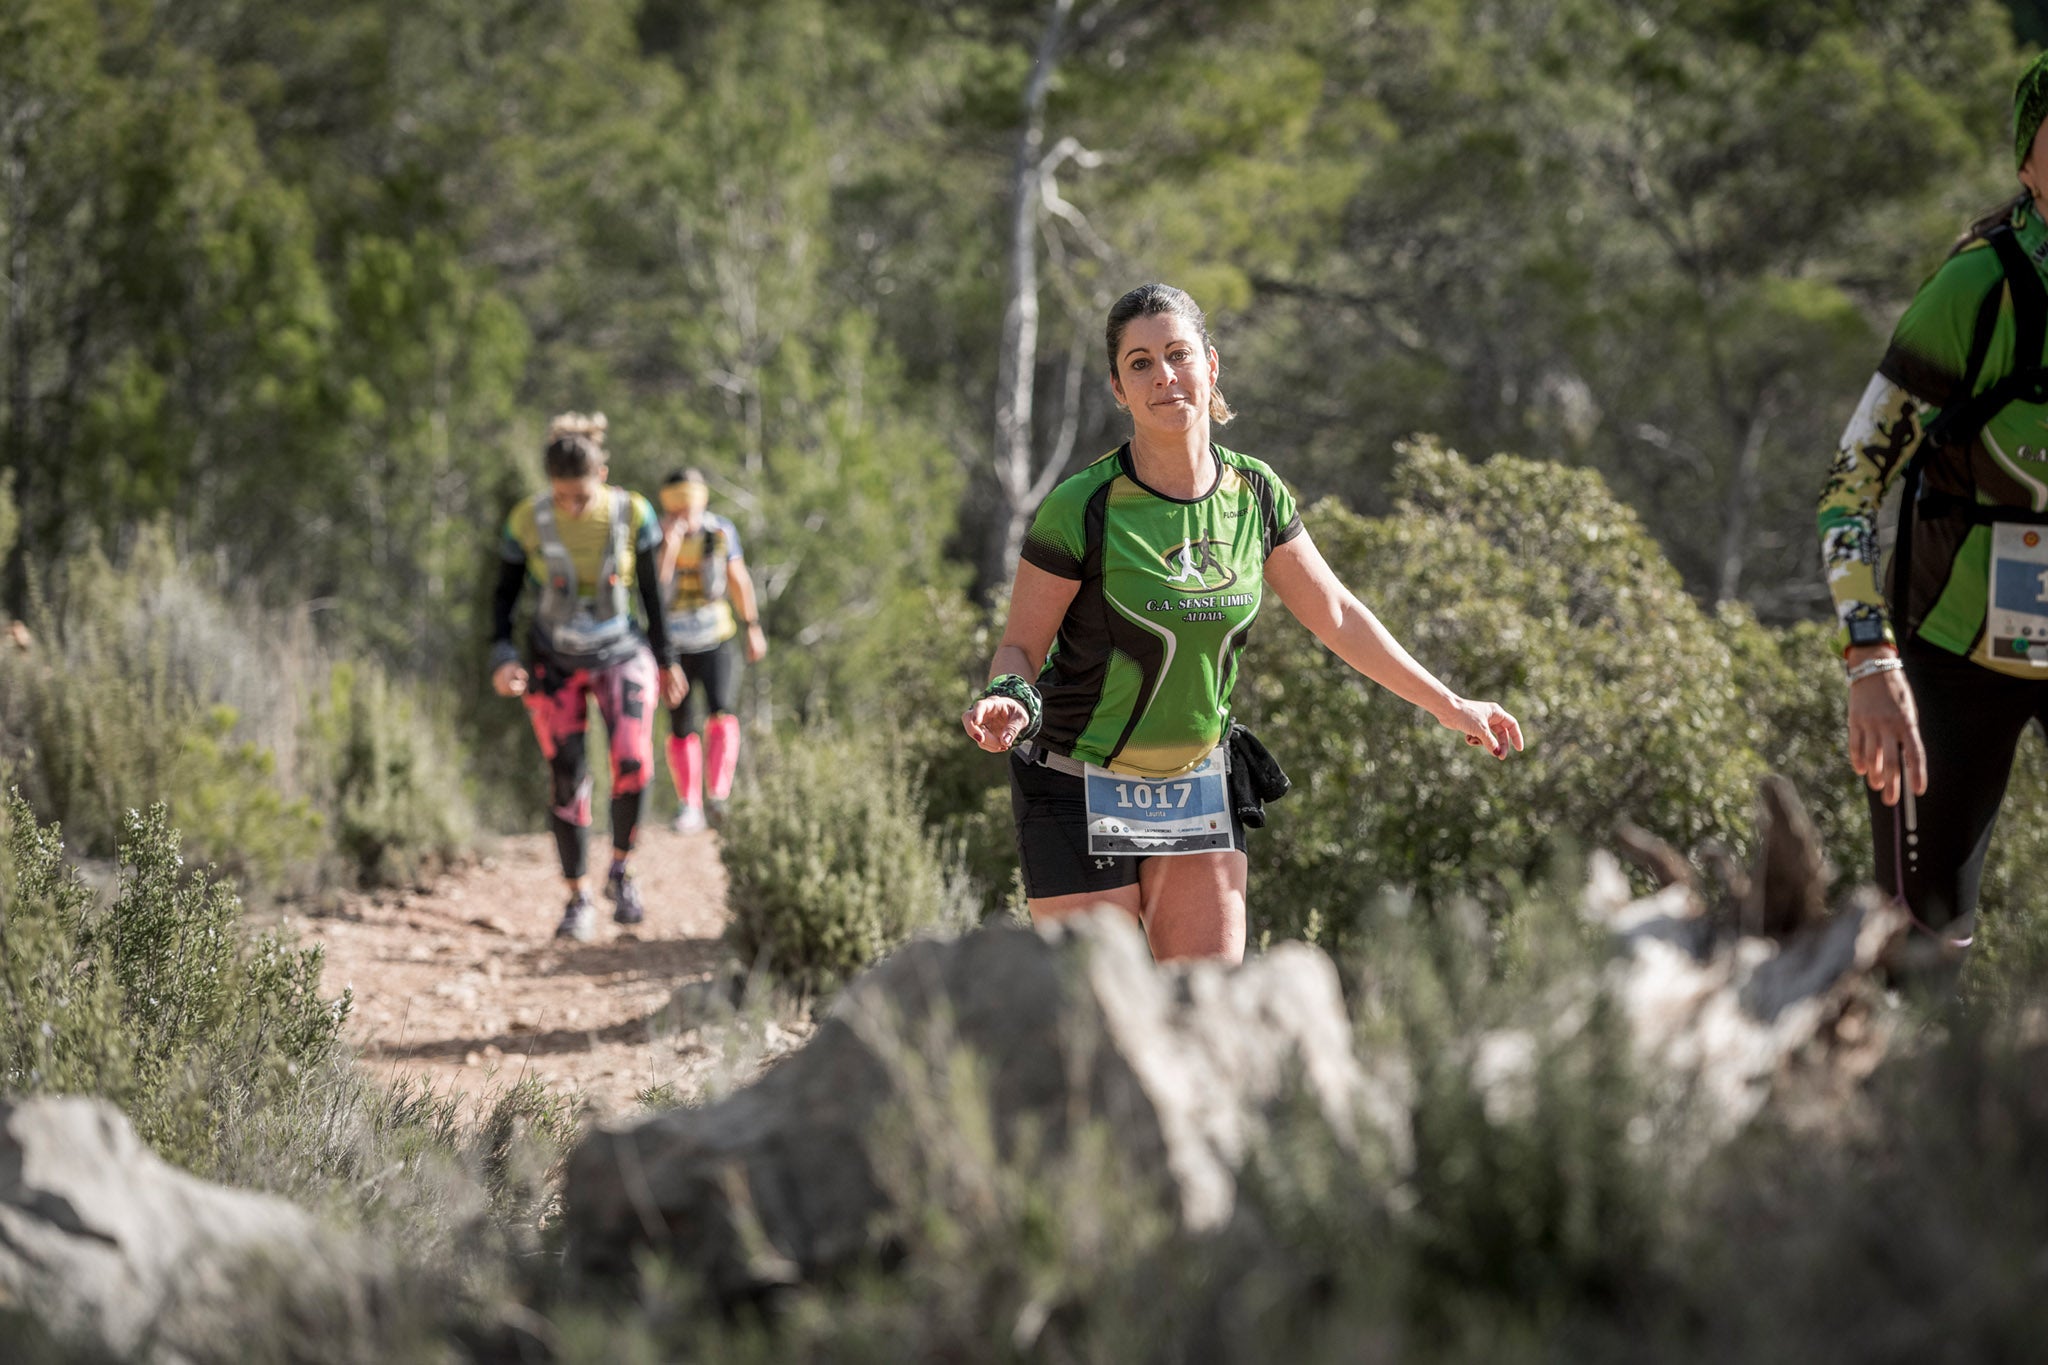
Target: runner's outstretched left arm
748, 606
1304, 581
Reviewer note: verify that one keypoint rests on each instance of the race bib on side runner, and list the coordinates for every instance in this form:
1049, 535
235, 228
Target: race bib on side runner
1160, 817
2016, 625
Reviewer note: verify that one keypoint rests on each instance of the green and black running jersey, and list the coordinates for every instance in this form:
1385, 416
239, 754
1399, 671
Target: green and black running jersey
1965, 311
1138, 680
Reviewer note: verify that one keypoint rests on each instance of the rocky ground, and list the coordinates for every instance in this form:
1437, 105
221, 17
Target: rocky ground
464, 984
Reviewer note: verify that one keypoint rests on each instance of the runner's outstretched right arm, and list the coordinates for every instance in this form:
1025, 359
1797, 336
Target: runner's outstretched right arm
504, 601
508, 675
1038, 602
1884, 725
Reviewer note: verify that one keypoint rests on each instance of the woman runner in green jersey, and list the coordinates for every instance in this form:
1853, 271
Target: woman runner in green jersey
1111, 688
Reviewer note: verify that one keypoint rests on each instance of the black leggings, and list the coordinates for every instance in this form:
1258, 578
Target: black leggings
714, 678
1970, 723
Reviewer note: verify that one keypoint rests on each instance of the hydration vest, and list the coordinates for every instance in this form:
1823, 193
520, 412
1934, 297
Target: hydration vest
570, 626
1957, 426
709, 622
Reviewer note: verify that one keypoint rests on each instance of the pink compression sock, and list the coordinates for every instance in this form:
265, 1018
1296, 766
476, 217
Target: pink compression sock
686, 765
722, 753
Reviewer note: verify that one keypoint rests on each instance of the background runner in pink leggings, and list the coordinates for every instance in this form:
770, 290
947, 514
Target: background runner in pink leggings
708, 601
585, 545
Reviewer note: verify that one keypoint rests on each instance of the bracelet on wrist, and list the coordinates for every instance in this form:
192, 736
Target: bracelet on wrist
1872, 667
1016, 689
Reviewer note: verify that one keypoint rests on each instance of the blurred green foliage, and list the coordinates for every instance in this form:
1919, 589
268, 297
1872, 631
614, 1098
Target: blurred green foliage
1546, 1218
387, 774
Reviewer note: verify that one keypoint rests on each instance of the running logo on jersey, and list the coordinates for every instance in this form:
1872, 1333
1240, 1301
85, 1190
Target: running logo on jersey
1197, 567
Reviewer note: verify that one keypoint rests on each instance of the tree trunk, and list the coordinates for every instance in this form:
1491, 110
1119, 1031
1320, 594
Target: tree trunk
1017, 358
1740, 500
15, 402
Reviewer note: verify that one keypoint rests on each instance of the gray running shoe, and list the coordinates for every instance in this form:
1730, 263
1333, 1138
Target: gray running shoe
624, 894
689, 820
579, 920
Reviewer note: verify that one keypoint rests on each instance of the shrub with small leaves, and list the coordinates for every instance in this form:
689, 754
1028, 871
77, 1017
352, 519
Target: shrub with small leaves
155, 1002
828, 865
277, 762
388, 777
1529, 584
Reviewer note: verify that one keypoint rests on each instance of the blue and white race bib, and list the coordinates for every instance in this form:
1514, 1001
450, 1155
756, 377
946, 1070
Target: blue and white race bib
1161, 817
2016, 622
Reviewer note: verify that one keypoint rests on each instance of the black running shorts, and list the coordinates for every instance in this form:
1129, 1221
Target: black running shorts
1051, 811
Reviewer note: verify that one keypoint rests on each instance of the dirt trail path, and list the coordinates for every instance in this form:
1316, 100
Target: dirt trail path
466, 985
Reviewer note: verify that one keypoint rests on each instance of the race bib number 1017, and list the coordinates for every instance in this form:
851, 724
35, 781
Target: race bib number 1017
1160, 816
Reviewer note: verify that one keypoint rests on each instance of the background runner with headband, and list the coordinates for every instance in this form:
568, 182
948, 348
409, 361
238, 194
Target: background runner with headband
585, 545
708, 598
1947, 666
1110, 691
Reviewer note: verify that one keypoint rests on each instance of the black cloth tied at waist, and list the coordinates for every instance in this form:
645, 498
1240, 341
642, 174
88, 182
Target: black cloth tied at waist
1255, 777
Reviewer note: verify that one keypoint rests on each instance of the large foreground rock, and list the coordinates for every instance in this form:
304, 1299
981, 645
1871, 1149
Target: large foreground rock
1182, 1067
1751, 992
117, 1253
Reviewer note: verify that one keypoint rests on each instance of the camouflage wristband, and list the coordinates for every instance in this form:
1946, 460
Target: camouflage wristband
1014, 688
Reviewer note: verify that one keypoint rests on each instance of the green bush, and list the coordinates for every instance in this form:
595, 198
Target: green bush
828, 865
2011, 954
1797, 710
1522, 582
388, 777
155, 1002
279, 766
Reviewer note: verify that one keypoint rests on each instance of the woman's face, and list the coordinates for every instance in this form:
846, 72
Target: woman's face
2034, 170
573, 497
1164, 374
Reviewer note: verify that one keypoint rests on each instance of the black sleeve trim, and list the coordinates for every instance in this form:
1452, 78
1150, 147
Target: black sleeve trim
1050, 559
505, 599
1275, 534
1932, 384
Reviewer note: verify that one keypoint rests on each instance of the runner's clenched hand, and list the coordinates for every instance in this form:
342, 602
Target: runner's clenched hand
994, 723
1884, 736
1485, 722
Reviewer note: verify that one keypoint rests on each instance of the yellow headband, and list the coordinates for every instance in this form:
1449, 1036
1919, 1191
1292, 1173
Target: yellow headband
684, 497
